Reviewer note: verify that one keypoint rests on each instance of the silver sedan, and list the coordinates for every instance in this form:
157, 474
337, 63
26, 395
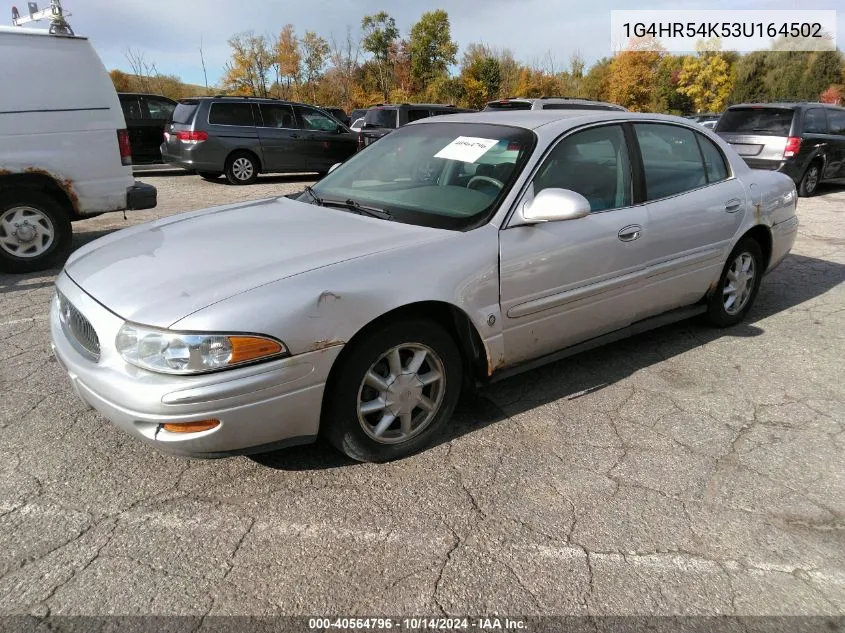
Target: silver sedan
454, 251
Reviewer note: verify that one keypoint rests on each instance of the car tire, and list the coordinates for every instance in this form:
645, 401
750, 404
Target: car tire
738, 285
810, 180
367, 375
35, 231
210, 176
242, 168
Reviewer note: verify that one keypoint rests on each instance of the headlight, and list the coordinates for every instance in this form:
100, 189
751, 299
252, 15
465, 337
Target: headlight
192, 353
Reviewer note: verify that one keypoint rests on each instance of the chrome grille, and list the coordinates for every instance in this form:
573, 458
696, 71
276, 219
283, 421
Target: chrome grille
78, 329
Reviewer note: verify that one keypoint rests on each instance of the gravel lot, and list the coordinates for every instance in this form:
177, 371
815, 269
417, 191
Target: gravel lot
686, 471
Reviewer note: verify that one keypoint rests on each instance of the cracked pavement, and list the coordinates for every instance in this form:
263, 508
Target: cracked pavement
685, 471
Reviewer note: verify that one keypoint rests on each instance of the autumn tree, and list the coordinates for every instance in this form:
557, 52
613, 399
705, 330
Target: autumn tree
122, 82
247, 71
380, 33
706, 78
288, 60
596, 83
832, 95
315, 51
431, 48
632, 76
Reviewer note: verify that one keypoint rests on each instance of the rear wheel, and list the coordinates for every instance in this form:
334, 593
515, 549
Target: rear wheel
35, 231
810, 181
242, 169
211, 176
394, 391
738, 285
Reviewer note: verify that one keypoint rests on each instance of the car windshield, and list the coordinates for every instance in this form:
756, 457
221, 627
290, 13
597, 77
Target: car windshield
758, 121
380, 117
443, 175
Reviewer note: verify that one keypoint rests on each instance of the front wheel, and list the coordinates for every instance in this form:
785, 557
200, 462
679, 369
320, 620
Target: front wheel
394, 391
738, 285
35, 231
810, 181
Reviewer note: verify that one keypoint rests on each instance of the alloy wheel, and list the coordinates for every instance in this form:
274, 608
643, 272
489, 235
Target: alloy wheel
242, 168
739, 283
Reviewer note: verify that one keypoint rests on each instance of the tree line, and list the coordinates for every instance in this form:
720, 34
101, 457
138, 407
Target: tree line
377, 64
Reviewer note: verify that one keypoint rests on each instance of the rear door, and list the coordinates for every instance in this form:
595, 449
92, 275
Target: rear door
758, 133
181, 120
695, 207
325, 141
134, 115
157, 112
281, 139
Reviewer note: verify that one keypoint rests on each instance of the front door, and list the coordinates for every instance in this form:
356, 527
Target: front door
325, 142
565, 282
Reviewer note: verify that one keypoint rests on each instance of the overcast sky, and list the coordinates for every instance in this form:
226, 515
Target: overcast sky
169, 31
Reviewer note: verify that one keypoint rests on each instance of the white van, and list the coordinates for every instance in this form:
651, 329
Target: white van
64, 148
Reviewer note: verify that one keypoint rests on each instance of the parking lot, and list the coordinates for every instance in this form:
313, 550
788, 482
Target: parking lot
684, 471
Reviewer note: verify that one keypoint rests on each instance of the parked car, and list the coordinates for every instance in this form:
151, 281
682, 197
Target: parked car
383, 119
242, 137
708, 124
64, 147
146, 117
339, 114
454, 250
804, 140
703, 117
357, 124
549, 103
359, 113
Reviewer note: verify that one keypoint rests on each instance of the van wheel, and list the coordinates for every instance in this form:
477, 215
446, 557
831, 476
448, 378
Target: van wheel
810, 181
393, 392
241, 169
210, 176
35, 231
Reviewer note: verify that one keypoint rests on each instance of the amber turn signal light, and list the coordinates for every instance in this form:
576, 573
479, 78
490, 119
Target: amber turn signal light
191, 427
246, 348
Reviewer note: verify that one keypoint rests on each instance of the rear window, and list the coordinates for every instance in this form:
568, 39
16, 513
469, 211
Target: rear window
184, 112
230, 114
508, 105
379, 117
758, 121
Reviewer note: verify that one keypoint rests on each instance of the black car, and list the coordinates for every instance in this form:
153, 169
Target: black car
240, 137
804, 140
338, 113
146, 116
383, 119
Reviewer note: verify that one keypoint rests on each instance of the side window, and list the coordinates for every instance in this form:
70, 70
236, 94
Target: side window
415, 114
278, 116
671, 159
593, 163
131, 108
815, 121
159, 109
310, 119
714, 160
836, 122
222, 113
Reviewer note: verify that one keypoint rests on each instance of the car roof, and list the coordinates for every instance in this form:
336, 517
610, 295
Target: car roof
17, 30
783, 104
556, 100
553, 121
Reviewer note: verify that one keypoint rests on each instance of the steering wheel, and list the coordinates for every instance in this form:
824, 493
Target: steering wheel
492, 181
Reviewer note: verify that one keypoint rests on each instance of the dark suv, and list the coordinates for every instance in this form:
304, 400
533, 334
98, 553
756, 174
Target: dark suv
804, 140
244, 136
146, 117
385, 118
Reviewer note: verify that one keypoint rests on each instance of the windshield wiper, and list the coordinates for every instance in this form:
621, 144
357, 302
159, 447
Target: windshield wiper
358, 208
313, 195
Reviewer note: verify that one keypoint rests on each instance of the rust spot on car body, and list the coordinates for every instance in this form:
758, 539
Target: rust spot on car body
65, 184
324, 296
324, 343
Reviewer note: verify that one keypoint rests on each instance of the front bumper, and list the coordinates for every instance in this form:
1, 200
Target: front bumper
262, 406
141, 196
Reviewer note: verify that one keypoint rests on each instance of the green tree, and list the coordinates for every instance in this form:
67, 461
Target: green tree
431, 47
380, 34
824, 68
750, 85
668, 98
596, 84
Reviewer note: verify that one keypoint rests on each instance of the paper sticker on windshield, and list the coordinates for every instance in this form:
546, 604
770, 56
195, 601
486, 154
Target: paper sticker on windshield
466, 149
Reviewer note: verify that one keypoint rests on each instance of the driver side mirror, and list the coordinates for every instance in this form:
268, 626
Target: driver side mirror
554, 205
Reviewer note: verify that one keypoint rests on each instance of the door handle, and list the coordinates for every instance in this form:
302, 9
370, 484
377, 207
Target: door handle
294, 135
732, 205
630, 233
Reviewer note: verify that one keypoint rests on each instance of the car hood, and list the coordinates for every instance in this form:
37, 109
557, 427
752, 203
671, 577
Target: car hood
160, 272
